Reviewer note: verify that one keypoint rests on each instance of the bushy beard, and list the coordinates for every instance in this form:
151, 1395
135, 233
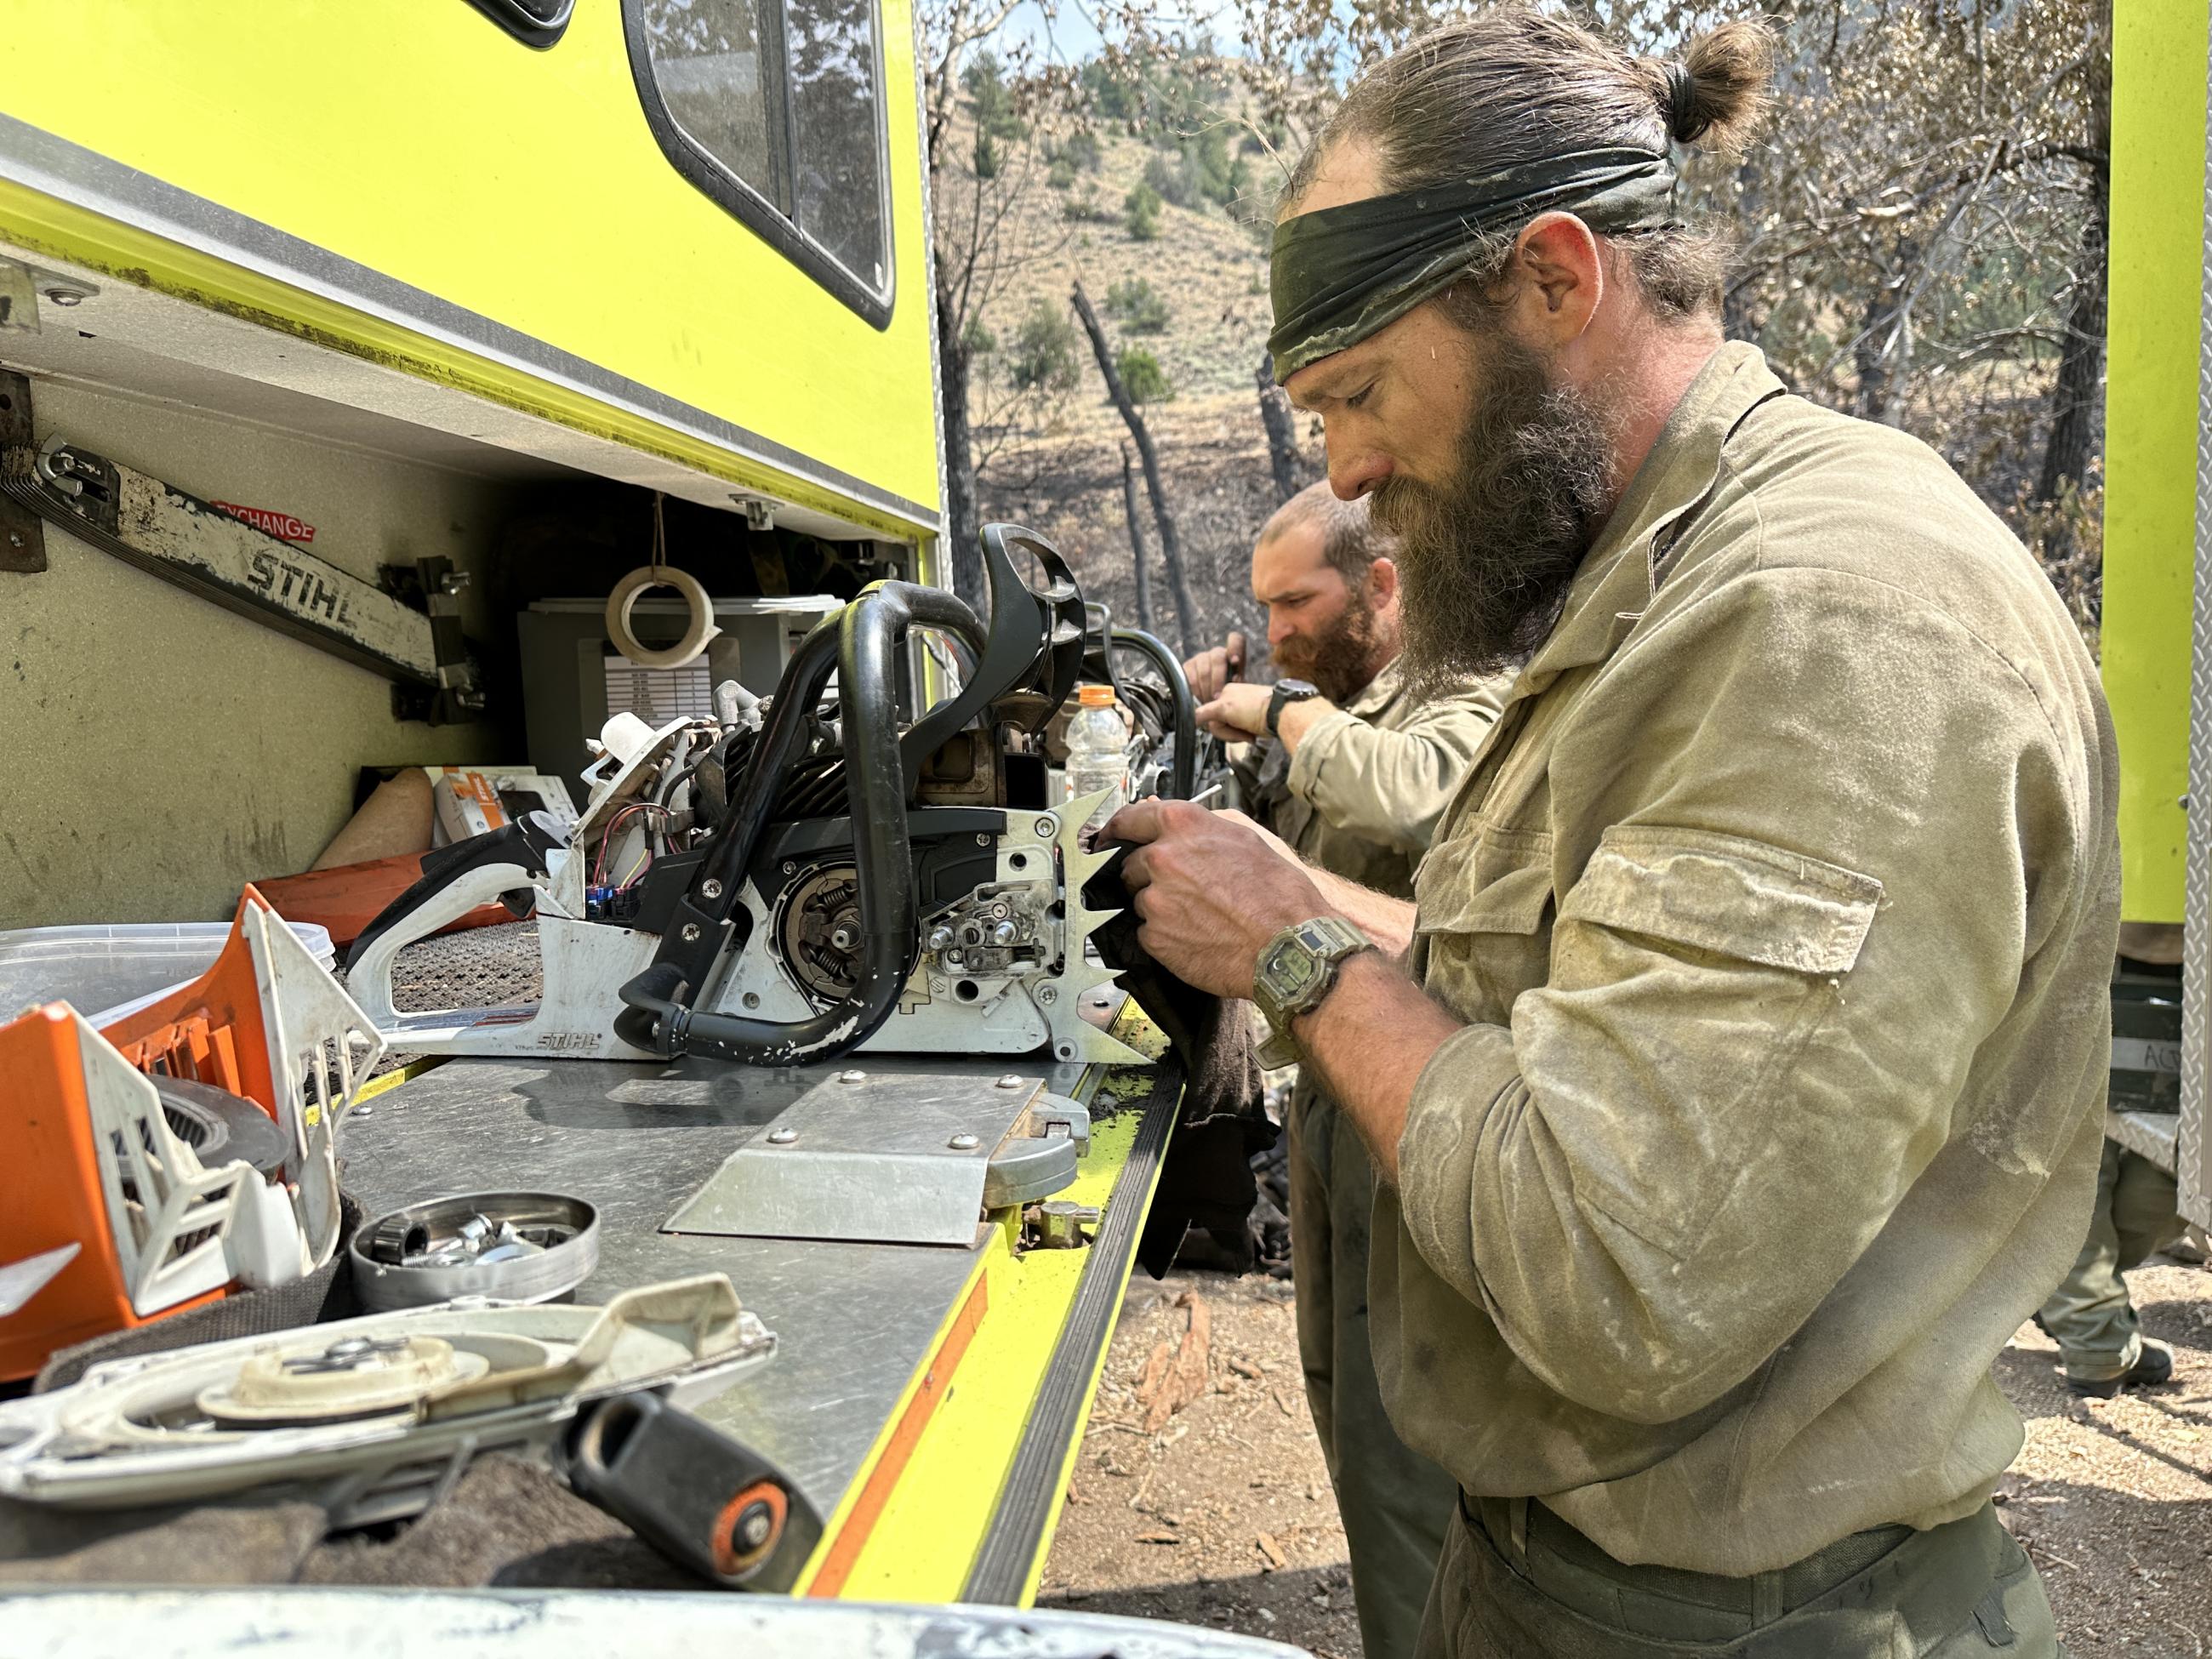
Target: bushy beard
1487, 556
1340, 660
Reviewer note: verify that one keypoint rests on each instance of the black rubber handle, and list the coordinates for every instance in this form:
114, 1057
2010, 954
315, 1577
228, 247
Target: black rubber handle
704, 1500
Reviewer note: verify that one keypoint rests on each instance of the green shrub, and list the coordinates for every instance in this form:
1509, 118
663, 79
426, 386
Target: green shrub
1167, 182
1138, 305
977, 339
1140, 214
1044, 350
1084, 208
994, 100
1079, 149
1142, 376
1060, 175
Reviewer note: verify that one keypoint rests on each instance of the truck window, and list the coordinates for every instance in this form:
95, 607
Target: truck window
774, 108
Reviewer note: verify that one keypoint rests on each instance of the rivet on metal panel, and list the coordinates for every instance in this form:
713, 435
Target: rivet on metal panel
691, 933
781, 1137
963, 1143
852, 1076
1048, 995
710, 889
1046, 829
1010, 1081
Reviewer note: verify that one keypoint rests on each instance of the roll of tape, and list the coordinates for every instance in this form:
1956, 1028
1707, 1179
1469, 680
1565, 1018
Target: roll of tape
696, 632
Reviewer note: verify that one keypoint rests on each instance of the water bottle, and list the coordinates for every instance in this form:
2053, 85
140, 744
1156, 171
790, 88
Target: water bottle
1097, 752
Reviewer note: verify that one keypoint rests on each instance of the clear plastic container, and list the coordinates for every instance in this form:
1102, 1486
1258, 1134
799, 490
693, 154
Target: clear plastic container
105, 971
1098, 753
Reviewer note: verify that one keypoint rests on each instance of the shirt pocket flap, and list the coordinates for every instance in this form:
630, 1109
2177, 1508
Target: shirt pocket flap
1724, 893
1489, 881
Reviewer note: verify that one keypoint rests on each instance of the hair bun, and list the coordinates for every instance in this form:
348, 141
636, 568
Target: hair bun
1684, 122
1714, 95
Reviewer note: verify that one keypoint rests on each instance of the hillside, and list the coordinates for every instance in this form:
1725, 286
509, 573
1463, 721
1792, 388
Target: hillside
1052, 460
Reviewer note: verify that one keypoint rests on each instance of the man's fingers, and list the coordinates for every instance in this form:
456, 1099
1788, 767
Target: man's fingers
1137, 823
1207, 672
1137, 875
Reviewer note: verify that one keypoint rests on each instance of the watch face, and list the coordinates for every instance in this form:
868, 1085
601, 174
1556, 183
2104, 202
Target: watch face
1290, 968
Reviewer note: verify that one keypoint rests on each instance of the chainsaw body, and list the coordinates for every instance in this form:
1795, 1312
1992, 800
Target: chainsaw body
787, 883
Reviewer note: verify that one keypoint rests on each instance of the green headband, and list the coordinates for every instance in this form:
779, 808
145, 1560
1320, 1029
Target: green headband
1341, 274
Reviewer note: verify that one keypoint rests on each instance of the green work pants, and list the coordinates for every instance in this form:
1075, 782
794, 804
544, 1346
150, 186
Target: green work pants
1518, 1582
2089, 1314
1397, 1506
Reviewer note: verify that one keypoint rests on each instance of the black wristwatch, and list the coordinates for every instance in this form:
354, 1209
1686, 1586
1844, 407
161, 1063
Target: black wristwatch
1287, 691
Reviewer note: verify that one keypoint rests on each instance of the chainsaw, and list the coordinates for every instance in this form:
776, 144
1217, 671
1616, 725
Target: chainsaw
804, 875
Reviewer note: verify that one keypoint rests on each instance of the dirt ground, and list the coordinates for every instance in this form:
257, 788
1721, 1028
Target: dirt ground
1224, 1516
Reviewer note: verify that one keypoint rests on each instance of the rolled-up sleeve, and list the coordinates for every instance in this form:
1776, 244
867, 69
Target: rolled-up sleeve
1815, 895
1392, 785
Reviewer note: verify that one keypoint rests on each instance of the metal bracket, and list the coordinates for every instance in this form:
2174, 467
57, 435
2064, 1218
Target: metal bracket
22, 534
908, 1156
22, 287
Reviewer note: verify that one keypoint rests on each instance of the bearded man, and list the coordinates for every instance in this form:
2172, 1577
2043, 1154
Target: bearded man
1736, 1080
1357, 770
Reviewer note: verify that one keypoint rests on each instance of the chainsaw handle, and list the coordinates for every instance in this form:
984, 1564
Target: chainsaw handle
526, 846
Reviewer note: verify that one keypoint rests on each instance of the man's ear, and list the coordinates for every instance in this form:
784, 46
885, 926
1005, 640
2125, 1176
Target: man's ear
1562, 276
1381, 583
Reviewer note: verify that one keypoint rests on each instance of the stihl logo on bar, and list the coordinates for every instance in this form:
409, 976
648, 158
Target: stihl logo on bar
303, 592
282, 525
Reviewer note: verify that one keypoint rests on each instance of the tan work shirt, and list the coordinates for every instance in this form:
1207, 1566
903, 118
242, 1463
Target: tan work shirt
1782, 906
1369, 780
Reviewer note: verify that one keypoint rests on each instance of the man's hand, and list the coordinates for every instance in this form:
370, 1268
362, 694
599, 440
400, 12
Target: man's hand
1240, 715
1210, 889
1209, 671
1237, 712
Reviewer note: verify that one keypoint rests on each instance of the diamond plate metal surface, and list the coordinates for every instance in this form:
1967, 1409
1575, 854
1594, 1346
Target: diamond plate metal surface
2191, 1152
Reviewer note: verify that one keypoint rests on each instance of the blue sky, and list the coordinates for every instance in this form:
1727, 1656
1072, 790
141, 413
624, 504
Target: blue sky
1073, 33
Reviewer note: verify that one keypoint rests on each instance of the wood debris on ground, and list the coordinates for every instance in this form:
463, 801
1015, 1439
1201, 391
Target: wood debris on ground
1172, 1382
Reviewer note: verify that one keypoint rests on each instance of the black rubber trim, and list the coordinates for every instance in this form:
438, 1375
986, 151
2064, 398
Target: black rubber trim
742, 199
537, 23
1001, 1568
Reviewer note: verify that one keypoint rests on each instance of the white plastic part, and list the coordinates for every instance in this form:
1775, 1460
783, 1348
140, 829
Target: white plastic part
263, 1247
624, 736
131, 1431
321, 1049
21, 1280
698, 629
169, 1217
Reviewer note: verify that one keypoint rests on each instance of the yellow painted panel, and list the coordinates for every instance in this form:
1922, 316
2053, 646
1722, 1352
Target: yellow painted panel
926, 1539
420, 141
2150, 417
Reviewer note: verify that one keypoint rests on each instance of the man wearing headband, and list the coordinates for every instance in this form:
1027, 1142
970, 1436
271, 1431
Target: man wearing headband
1735, 1079
1355, 770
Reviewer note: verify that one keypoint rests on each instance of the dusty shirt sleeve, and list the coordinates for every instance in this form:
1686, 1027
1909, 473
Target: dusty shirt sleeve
1836, 828
1392, 785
